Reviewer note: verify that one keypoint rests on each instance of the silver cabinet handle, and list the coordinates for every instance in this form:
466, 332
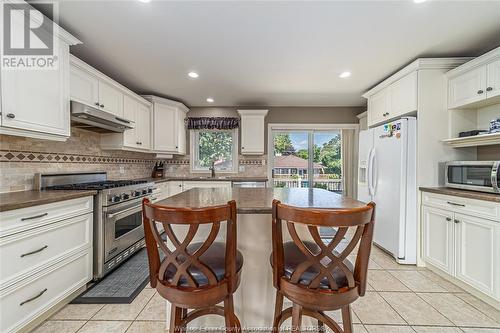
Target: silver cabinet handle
480, 91
455, 204
448, 219
34, 217
33, 298
33, 252
456, 221
489, 89
96, 103
11, 115
102, 105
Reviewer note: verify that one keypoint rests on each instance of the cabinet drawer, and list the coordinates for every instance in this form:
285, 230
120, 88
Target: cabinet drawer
33, 296
461, 205
31, 217
26, 251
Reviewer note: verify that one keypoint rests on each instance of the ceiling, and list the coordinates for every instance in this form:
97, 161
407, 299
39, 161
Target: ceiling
272, 53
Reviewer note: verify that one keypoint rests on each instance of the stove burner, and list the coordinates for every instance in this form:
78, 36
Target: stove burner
97, 185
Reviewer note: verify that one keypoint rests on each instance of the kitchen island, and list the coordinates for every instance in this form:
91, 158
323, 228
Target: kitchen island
254, 299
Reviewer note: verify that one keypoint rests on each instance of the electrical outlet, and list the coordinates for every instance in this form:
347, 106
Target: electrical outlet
241, 168
122, 169
263, 161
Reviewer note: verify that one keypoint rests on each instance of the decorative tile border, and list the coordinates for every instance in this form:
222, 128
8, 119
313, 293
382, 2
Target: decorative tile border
43, 157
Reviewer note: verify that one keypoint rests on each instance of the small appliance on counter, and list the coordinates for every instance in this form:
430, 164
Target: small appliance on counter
158, 170
482, 176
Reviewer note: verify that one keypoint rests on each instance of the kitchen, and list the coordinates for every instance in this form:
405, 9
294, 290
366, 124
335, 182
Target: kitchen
186, 126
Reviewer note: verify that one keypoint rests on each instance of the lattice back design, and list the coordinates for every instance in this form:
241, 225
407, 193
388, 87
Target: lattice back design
180, 258
328, 259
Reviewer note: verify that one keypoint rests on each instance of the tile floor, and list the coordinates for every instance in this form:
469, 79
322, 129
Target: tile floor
400, 299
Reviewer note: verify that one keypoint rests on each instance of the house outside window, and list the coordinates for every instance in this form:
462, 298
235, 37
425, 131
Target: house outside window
219, 147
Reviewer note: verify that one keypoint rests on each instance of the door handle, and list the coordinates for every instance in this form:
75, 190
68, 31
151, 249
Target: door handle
10, 115
111, 215
373, 187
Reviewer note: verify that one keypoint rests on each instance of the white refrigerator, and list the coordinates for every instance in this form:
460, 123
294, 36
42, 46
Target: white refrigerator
387, 176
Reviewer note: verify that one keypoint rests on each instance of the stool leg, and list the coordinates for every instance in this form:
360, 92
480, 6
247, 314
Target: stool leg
175, 319
278, 307
321, 327
346, 319
232, 323
296, 318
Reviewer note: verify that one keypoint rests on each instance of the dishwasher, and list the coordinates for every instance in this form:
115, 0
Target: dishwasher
250, 184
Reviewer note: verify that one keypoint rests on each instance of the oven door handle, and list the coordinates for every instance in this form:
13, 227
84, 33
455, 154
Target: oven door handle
134, 208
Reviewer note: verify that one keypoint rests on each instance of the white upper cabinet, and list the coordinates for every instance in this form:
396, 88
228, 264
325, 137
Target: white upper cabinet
493, 75
110, 99
252, 131
403, 94
476, 83
467, 88
168, 127
88, 86
138, 111
378, 106
84, 87
35, 102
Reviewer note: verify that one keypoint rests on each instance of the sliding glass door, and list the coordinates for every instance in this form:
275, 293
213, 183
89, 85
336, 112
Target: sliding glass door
307, 158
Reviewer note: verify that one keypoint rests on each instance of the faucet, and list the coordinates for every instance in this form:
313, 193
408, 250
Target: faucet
212, 168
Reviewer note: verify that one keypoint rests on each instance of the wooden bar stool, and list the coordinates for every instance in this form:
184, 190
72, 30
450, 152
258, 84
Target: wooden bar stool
315, 276
197, 275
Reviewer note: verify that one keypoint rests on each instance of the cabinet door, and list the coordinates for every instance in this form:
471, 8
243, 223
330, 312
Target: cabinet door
144, 126
130, 106
206, 184
175, 187
493, 86
438, 238
84, 87
467, 88
252, 134
164, 128
378, 106
478, 252
403, 94
181, 133
110, 99
38, 100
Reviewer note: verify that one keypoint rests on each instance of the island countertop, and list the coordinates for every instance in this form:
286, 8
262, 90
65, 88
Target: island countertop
259, 200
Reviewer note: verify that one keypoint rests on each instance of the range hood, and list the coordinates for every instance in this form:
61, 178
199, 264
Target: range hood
93, 119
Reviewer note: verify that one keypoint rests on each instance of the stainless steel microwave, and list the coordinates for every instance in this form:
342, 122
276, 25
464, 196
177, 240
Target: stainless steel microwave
482, 176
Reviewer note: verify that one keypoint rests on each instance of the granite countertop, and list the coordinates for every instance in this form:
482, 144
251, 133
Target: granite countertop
463, 193
22, 199
259, 200
208, 179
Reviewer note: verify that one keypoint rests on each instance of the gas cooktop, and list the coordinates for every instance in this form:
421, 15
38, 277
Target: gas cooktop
101, 185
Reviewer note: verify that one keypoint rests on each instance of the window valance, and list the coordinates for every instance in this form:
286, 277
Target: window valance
220, 123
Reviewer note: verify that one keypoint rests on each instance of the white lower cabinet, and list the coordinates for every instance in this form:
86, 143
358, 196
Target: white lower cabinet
438, 233
206, 184
175, 187
464, 246
478, 252
44, 259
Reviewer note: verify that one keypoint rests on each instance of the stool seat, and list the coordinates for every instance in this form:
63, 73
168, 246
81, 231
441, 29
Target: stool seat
294, 257
214, 258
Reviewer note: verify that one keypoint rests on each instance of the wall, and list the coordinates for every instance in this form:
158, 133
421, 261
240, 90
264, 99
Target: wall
488, 153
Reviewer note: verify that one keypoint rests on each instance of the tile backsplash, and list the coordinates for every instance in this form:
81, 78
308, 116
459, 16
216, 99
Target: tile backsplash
21, 158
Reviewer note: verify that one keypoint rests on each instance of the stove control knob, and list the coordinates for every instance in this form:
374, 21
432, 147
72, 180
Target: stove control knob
136, 193
125, 196
115, 198
150, 190
144, 191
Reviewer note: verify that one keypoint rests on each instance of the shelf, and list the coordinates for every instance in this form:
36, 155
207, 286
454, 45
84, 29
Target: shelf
477, 140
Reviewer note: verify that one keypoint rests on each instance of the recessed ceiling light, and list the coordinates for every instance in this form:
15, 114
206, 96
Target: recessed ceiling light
344, 75
193, 75
210, 100
419, 1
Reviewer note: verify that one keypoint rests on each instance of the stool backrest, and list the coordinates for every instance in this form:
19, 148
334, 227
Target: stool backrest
179, 257
356, 223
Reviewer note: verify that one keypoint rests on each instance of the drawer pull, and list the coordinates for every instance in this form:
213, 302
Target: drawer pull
455, 204
34, 217
456, 221
448, 219
33, 298
33, 252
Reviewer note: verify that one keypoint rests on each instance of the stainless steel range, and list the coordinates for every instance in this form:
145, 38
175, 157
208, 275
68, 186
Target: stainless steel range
118, 230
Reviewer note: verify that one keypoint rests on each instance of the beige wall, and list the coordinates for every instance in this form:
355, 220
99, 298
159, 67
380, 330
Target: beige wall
288, 115
488, 153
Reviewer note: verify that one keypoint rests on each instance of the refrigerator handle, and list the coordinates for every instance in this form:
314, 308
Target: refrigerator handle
371, 174
368, 172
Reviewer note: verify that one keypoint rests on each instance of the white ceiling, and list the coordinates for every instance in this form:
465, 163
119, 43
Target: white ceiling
272, 53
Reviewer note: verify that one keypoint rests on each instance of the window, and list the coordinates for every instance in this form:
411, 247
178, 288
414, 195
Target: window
217, 146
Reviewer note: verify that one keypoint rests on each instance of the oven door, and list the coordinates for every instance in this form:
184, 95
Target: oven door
480, 176
123, 227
